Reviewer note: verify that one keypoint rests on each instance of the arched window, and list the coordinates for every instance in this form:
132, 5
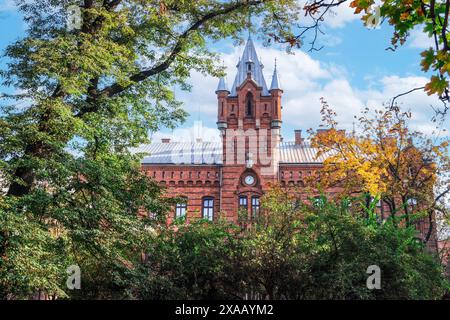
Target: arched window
243, 203
181, 208
255, 206
249, 105
208, 208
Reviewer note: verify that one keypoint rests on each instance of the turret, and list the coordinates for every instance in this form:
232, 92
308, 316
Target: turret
222, 86
276, 93
275, 80
222, 94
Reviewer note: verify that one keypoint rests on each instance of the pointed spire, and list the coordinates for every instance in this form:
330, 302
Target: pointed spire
222, 85
275, 80
249, 26
250, 62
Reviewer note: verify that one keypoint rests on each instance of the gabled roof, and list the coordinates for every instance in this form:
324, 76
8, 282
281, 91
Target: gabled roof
250, 57
204, 153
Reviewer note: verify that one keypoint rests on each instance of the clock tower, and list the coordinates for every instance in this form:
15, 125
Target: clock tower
249, 119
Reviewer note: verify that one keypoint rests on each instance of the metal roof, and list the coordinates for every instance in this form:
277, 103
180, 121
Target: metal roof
292, 153
275, 81
222, 85
249, 57
210, 153
181, 153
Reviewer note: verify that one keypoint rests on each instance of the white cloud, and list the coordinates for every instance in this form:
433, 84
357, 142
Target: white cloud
419, 39
341, 15
7, 5
305, 80
336, 17
190, 134
202, 99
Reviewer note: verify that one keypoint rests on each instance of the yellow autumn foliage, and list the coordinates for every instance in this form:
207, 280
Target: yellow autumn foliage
386, 160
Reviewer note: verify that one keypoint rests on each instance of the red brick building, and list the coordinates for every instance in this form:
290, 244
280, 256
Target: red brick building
234, 174
222, 177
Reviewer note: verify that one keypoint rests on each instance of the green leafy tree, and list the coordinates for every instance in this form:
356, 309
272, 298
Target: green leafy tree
322, 249
294, 250
84, 96
191, 261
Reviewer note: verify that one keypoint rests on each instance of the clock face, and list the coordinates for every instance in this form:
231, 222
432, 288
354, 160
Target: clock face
249, 180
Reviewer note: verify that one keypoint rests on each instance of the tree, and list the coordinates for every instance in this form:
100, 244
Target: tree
191, 261
294, 250
322, 250
114, 72
387, 161
85, 96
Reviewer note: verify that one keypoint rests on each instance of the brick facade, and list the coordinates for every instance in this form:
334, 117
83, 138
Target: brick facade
249, 118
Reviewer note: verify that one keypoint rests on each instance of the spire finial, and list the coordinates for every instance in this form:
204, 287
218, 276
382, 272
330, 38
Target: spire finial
275, 81
249, 26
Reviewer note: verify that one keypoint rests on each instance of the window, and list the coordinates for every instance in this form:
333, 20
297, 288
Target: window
379, 203
412, 202
243, 203
180, 209
249, 105
319, 201
208, 209
255, 206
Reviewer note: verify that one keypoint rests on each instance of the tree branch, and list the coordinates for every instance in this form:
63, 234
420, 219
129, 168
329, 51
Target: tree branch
404, 94
116, 88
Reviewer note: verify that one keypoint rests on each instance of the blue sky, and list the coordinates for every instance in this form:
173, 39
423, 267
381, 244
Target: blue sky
351, 71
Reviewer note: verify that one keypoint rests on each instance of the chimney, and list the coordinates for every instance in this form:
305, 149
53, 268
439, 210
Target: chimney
410, 141
165, 140
298, 137
199, 140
